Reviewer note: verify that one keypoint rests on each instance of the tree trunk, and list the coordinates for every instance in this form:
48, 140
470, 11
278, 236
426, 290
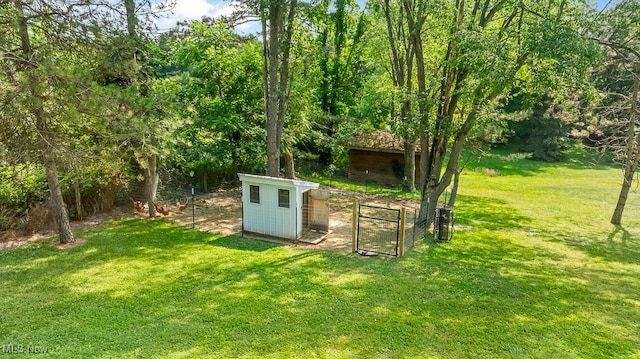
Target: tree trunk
289, 166
454, 189
428, 205
59, 208
78, 197
132, 19
633, 151
402, 55
270, 123
45, 132
205, 181
151, 183
434, 180
409, 184
275, 56
424, 163
271, 112
273, 147
435, 145
629, 173
283, 90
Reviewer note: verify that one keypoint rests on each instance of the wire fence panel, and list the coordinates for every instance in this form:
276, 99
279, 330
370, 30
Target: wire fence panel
416, 229
409, 230
378, 229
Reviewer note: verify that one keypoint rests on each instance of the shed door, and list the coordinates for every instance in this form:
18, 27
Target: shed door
305, 209
317, 214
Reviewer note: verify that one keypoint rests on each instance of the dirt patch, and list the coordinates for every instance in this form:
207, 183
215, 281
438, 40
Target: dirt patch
221, 212
12, 239
217, 212
77, 243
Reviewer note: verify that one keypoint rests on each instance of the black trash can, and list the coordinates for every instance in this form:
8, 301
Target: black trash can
443, 224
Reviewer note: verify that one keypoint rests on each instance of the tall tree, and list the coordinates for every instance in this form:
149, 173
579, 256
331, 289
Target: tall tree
632, 153
220, 93
339, 30
42, 126
150, 164
487, 47
38, 40
340, 34
405, 23
277, 21
143, 120
619, 81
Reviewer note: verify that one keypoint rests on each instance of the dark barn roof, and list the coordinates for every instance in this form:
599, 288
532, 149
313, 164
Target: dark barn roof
377, 141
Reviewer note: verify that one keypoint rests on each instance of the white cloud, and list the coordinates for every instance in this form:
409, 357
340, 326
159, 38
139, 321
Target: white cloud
195, 10
225, 10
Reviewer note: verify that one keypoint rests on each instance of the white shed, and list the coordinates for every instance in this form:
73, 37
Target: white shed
274, 206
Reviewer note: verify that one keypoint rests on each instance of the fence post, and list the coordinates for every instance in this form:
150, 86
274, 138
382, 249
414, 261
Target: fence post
354, 228
401, 234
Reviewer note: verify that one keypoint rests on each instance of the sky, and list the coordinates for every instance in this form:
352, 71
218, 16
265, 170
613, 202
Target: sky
196, 9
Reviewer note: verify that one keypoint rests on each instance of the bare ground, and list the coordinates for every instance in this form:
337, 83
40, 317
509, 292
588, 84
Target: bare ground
13, 239
221, 212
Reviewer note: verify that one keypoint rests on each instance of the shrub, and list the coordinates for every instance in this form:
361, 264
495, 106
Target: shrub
545, 133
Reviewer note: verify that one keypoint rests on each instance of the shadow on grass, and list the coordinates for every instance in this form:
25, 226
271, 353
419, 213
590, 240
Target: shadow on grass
242, 243
488, 213
620, 246
509, 162
512, 283
621, 232
143, 233
150, 289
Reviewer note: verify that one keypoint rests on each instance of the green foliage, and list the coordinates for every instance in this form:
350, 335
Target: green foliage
52, 110
118, 66
341, 28
376, 104
534, 270
561, 53
336, 52
194, 97
544, 131
220, 95
21, 187
614, 78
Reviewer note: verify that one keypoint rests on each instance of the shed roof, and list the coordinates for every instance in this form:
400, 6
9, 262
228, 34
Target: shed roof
377, 140
279, 182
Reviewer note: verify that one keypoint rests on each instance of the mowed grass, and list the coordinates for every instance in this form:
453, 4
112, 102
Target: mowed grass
534, 270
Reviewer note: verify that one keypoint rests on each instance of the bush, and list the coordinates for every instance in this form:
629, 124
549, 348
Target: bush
21, 187
545, 133
24, 194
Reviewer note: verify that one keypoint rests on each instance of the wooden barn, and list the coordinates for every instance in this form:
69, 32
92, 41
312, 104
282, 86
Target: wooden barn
283, 208
378, 156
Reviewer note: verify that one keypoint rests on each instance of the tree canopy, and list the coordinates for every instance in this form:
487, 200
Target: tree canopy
92, 95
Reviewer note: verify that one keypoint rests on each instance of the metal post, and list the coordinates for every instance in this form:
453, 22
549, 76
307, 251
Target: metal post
297, 236
400, 251
413, 232
354, 229
366, 181
193, 208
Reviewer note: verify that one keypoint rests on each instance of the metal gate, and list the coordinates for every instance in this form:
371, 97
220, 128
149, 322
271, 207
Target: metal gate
378, 230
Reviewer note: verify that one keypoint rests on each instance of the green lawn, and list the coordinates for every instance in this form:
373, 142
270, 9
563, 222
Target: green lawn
534, 271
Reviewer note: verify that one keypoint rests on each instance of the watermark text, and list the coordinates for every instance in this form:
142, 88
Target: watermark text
23, 349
